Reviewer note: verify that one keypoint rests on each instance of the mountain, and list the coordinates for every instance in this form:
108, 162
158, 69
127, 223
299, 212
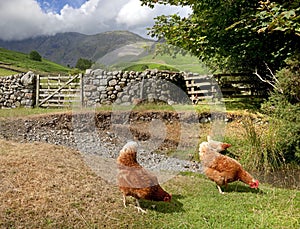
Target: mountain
67, 48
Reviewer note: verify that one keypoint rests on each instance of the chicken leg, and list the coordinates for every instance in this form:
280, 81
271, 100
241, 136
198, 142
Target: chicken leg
220, 190
138, 207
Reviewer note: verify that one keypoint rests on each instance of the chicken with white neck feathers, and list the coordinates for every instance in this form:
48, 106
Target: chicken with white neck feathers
220, 168
136, 181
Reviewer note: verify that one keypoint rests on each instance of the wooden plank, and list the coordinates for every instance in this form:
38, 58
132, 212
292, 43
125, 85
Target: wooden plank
56, 105
58, 84
197, 77
63, 100
44, 91
60, 95
199, 92
199, 84
62, 78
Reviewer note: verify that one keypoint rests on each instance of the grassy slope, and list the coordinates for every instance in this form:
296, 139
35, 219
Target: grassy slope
20, 62
182, 63
186, 63
47, 186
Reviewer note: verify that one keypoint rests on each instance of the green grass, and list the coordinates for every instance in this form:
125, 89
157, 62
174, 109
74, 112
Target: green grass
5, 72
198, 204
22, 112
144, 66
186, 63
252, 104
20, 62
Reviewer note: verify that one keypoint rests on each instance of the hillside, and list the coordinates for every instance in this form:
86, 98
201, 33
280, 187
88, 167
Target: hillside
137, 55
67, 48
12, 62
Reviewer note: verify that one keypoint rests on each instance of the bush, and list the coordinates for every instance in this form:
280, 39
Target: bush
269, 147
284, 107
263, 151
34, 55
83, 64
144, 67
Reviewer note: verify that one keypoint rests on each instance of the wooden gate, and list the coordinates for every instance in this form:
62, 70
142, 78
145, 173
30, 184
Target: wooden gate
200, 88
232, 85
59, 91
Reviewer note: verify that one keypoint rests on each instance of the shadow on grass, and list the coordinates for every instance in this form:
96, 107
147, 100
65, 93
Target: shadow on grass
240, 188
164, 207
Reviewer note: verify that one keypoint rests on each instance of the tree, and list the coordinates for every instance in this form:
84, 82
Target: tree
230, 35
83, 64
254, 36
34, 55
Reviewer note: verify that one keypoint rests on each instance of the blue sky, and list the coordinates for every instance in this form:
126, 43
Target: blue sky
21, 19
57, 5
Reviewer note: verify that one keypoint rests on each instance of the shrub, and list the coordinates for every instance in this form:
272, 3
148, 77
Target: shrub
263, 151
144, 67
284, 107
83, 64
278, 143
34, 55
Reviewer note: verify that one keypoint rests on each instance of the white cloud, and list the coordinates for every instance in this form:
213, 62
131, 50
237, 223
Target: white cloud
21, 19
133, 14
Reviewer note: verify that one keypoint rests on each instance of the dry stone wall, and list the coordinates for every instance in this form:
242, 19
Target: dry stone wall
102, 87
125, 88
17, 91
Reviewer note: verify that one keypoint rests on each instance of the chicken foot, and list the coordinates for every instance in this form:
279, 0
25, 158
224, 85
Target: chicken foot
138, 207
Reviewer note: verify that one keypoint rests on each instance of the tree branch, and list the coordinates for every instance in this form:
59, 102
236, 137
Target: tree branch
268, 81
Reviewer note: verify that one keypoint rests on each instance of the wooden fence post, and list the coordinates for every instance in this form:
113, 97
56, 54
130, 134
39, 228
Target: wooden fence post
37, 95
81, 90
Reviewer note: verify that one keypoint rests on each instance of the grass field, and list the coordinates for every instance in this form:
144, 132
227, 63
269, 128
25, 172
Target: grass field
47, 186
12, 62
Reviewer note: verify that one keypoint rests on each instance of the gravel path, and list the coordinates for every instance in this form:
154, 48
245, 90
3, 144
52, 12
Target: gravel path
59, 130
109, 147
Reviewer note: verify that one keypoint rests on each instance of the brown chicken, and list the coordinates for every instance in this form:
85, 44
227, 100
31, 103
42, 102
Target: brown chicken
220, 168
133, 180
